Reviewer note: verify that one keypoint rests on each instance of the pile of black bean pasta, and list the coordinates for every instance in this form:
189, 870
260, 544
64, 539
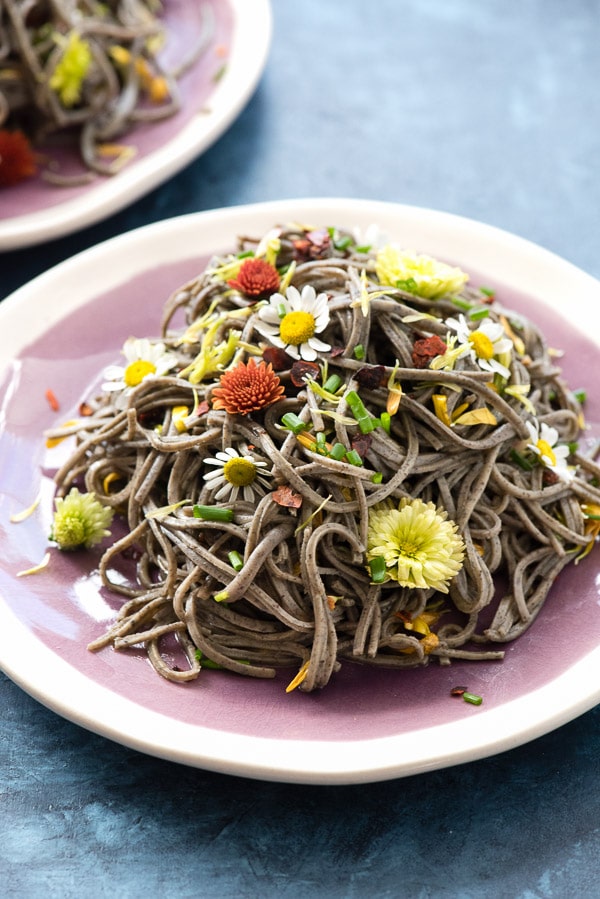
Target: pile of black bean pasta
303, 595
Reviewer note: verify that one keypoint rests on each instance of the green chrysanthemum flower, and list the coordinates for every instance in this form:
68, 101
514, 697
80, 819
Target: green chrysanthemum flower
417, 273
420, 546
80, 520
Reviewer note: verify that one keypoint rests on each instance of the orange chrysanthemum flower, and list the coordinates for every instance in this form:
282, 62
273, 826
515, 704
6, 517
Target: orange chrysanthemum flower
256, 278
247, 388
17, 161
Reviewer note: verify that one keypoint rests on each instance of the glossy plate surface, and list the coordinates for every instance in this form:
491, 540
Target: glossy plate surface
213, 93
366, 725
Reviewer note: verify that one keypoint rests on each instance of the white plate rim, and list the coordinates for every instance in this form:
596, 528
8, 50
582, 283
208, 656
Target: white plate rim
252, 29
56, 684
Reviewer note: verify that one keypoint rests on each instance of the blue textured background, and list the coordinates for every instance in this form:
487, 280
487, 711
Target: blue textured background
486, 109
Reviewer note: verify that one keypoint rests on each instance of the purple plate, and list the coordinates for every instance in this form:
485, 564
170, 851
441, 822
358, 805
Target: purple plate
367, 724
213, 92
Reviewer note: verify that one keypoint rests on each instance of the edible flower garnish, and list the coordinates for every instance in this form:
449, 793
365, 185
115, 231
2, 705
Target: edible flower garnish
420, 545
544, 443
418, 273
144, 360
235, 473
256, 278
80, 520
247, 388
71, 69
17, 161
291, 322
484, 345
591, 512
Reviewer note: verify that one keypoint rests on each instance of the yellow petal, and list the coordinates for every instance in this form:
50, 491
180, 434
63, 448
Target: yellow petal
440, 405
36, 568
25, 513
301, 676
482, 416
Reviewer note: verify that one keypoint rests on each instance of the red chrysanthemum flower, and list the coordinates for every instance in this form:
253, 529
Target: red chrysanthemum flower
247, 388
17, 160
256, 278
426, 349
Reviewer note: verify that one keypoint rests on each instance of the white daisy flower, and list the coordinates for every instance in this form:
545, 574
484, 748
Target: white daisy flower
544, 443
234, 473
291, 322
484, 344
144, 360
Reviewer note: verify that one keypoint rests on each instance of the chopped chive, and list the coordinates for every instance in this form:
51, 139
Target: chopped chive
365, 248
321, 442
573, 446
333, 383
367, 424
460, 303
478, 312
354, 458
357, 407
245, 254
207, 663
377, 569
377, 477
293, 423
408, 284
281, 310
521, 461
337, 451
487, 292
386, 422
580, 396
473, 698
359, 351
212, 513
342, 243
235, 560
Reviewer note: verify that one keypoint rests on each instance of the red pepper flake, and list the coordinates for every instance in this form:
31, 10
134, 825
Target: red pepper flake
256, 278
362, 444
315, 245
336, 351
458, 691
285, 496
549, 478
277, 357
371, 376
17, 161
202, 408
426, 349
301, 370
85, 410
52, 401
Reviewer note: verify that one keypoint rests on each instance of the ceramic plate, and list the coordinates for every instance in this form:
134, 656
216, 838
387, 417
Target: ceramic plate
213, 92
366, 725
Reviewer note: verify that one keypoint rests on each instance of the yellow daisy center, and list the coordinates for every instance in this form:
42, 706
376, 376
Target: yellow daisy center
546, 451
239, 472
297, 327
483, 346
137, 371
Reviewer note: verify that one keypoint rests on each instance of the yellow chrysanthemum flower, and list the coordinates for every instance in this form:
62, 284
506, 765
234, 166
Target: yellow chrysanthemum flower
420, 545
80, 520
72, 68
418, 273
